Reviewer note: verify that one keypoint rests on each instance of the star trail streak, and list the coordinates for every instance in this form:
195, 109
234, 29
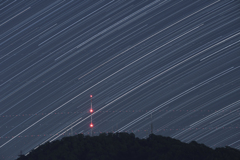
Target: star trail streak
178, 61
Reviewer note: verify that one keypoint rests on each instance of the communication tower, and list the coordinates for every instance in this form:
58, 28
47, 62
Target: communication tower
91, 111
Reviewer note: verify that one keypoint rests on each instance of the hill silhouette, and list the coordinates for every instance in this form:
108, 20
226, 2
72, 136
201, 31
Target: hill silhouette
123, 146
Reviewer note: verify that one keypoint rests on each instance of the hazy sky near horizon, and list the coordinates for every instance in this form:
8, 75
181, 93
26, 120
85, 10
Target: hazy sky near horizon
178, 61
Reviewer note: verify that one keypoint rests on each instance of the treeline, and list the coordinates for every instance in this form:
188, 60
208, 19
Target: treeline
124, 146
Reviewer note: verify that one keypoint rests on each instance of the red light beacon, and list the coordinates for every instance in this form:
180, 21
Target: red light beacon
91, 125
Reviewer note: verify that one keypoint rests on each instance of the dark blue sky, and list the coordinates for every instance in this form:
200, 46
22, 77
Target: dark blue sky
176, 60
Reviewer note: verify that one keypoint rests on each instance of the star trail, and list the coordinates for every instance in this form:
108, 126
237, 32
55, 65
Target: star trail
178, 61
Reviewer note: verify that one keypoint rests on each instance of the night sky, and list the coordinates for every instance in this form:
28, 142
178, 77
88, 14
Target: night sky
178, 61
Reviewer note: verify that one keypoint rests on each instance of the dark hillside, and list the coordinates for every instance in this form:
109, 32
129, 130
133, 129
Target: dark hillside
121, 146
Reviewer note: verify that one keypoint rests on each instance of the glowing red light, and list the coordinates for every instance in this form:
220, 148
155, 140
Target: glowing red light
91, 125
91, 111
91, 96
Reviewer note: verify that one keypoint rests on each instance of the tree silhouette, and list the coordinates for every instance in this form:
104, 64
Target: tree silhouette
120, 146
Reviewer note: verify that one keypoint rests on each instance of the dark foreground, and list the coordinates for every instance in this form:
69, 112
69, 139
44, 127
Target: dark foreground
121, 146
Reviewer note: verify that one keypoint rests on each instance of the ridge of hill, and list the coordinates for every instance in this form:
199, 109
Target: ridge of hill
119, 146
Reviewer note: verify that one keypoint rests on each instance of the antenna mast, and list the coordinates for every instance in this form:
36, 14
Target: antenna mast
91, 111
151, 125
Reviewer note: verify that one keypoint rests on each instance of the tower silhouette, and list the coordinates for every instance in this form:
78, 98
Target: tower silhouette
91, 111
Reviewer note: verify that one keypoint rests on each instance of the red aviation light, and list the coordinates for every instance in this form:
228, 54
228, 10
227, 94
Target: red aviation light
91, 125
91, 110
90, 96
